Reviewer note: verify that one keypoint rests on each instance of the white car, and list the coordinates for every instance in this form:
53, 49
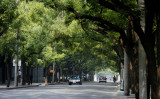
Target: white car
75, 80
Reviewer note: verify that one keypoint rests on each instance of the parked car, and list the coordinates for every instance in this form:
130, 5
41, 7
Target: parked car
102, 79
75, 79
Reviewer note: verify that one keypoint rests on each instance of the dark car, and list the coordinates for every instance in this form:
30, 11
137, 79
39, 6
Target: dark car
75, 80
102, 79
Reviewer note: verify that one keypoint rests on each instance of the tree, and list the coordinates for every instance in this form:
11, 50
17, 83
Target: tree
7, 15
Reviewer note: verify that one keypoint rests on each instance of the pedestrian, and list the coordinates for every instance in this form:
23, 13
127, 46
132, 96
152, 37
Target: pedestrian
114, 79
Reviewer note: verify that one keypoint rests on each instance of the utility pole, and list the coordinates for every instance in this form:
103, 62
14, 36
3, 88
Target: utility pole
16, 66
53, 69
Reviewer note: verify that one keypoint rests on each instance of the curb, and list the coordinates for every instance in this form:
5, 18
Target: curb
9, 88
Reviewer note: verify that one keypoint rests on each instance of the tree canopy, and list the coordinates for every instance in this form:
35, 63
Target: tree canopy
46, 33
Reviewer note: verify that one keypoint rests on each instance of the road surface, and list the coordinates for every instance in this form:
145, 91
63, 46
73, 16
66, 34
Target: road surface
88, 90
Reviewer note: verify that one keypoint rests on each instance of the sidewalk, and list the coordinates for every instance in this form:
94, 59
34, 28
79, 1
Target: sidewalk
120, 94
3, 86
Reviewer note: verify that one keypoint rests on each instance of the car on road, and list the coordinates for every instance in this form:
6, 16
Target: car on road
102, 79
75, 79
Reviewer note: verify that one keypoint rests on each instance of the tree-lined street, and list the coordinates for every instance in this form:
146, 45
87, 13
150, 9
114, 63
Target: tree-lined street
48, 41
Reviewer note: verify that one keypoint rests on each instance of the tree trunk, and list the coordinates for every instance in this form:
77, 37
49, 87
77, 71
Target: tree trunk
158, 54
8, 65
142, 73
136, 67
150, 51
152, 73
142, 56
132, 79
28, 75
46, 75
121, 77
2, 58
121, 71
24, 79
136, 87
126, 74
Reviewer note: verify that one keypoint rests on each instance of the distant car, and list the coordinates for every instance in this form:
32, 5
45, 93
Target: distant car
102, 79
75, 80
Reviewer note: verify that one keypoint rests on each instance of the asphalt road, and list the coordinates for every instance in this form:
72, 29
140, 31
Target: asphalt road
88, 90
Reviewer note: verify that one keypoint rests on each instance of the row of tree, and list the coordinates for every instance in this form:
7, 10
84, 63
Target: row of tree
39, 34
